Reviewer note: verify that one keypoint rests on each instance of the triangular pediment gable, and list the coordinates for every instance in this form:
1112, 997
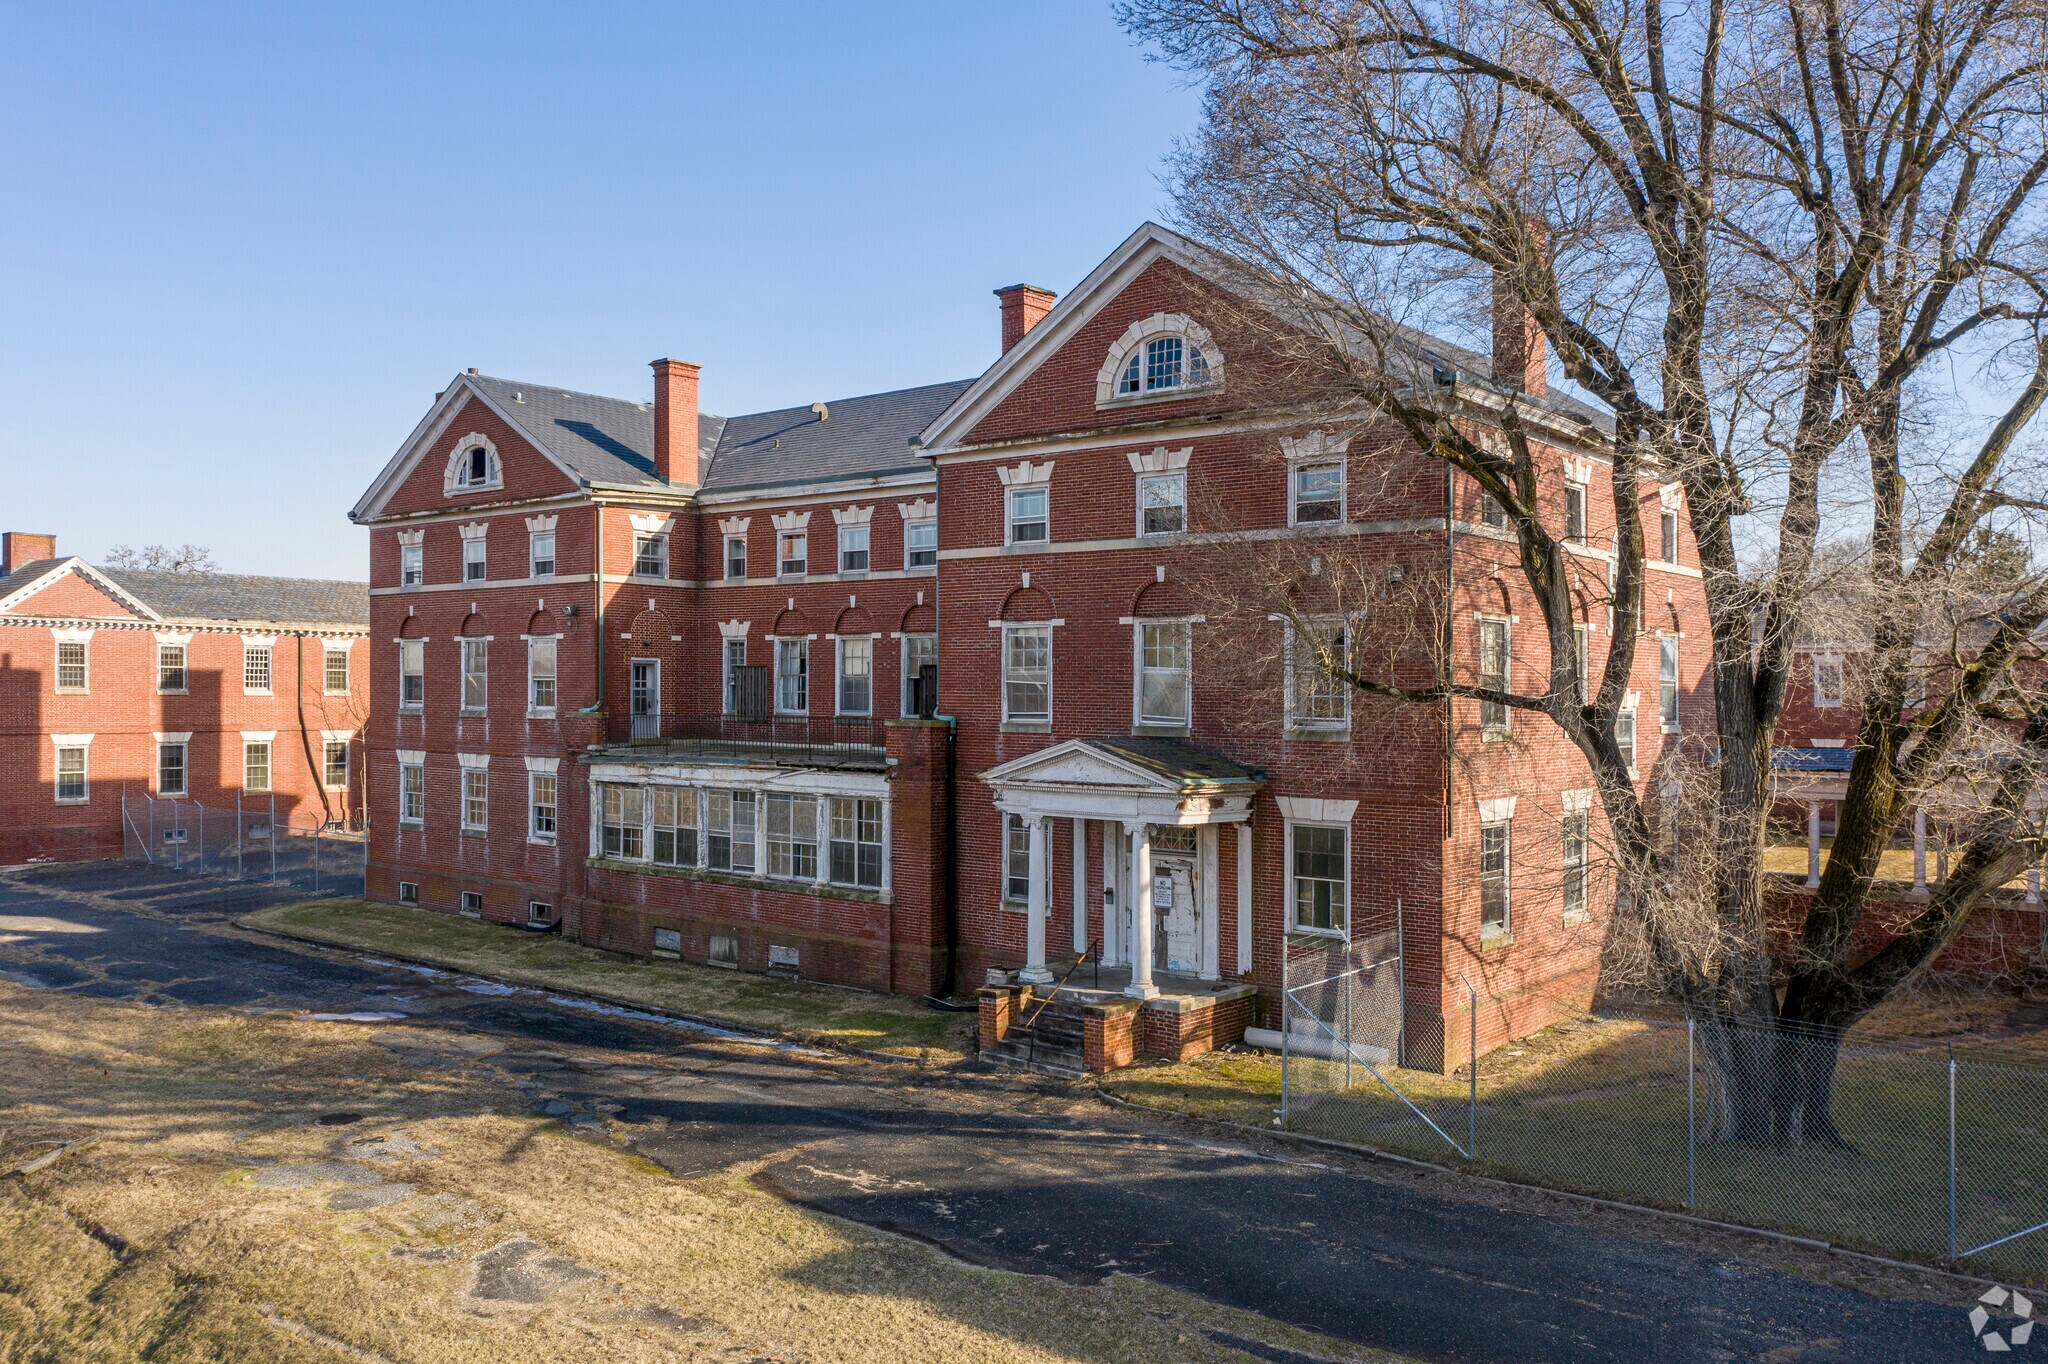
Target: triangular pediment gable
1078, 763
448, 409
1144, 248
75, 590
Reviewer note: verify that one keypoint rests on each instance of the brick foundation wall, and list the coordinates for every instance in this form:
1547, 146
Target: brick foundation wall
1181, 1027
999, 1007
1109, 1036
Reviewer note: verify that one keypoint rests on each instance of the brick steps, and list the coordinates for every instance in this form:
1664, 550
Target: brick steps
1051, 1044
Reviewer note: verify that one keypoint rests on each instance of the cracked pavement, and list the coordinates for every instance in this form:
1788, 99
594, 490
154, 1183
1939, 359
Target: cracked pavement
1027, 1176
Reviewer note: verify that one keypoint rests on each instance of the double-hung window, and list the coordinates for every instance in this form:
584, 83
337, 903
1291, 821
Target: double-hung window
1162, 503
173, 770
1016, 859
476, 676
474, 564
1163, 672
71, 665
334, 678
729, 829
1027, 673
622, 821
853, 549
650, 556
1667, 681
1575, 512
1491, 513
1027, 515
920, 544
792, 831
540, 806
1575, 859
1625, 736
334, 764
735, 658
1667, 527
256, 764
412, 565
256, 669
919, 652
792, 553
675, 826
1493, 877
540, 674
412, 674
476, 807
856, 676
1317, 698
792, 677
73, 786
1321, 860
856, 851
735, 558
170, 667
1317, 493
1827, 680
412, 794
1493, 673
540, 553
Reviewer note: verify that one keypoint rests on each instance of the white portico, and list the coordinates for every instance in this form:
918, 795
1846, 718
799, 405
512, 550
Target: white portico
1160, 805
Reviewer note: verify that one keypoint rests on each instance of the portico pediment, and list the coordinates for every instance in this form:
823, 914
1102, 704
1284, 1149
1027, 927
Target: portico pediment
1153, 781
1077, 763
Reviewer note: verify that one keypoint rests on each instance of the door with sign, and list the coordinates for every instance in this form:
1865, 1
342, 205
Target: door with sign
1177, 916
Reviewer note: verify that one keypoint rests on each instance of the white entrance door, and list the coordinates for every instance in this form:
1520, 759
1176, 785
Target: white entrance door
1177, 911
646, 698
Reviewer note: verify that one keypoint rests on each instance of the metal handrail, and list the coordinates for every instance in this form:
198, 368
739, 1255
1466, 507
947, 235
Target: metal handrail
1061, 983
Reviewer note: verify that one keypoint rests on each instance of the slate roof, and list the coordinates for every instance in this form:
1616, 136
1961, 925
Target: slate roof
1178, 760
610, 441
229, 598
1812, 759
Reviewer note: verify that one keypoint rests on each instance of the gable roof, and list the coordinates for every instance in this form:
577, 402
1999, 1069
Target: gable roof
609, 442
212, 598
247, 598
1161, 764
1423, 356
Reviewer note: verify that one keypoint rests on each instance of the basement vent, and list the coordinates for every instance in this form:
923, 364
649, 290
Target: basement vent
725, 951
783, 959
668, 942
408, 892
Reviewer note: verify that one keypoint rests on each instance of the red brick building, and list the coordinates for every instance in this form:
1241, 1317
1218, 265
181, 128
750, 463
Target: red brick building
644, 672
186, 688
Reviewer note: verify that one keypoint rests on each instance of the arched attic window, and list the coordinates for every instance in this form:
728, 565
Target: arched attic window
473, 465
1164, 355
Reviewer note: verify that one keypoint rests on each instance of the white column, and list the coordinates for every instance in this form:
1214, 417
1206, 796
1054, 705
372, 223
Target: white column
1034, 921
1941, 857
1080, 828
1244, 897
1813, 843
821, 837
1919, 852
2034, 883
1141, 986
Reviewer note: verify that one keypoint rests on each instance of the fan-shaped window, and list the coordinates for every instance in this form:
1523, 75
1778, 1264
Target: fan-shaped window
1159, 356
1168, 362
473, 465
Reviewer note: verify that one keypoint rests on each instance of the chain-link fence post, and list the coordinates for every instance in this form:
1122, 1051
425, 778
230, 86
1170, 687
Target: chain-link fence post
1400, 987
241, 834
1951, 1150
1472, 1097
1692, 1185
273, 838
316, 859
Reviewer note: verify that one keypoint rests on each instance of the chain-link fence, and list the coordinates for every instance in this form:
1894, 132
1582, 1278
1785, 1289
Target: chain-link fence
1924, 1152
249, 840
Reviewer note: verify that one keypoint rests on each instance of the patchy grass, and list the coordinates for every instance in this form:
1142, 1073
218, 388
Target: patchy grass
1893, 864
817, 1013
218, 1220
1600, 1106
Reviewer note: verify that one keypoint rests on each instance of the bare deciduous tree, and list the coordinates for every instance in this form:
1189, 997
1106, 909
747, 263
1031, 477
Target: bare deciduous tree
1796, 248
163, 558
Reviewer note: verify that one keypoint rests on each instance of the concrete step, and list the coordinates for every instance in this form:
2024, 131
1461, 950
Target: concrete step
1047, 1060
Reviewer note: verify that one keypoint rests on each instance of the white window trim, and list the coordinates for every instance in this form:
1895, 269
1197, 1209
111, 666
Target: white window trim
853, 528
1003, 669
268, 643
328, 648
1297, 813
1819, 701
1505, 823
414, 760
1291, 718
1482, 619
1317, 447
903, 672
60, 638
534, 712
164, 741
1138, 504
454, 478
1138, 625
661, 538
462, 651
327, 740
268, 739
775, 675
1148, 329
839, 643
59, 742
533, 774
405, 707
1664, 638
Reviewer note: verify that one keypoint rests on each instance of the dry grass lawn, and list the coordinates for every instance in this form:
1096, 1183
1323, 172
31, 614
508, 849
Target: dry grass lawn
218, 1219
815, 1013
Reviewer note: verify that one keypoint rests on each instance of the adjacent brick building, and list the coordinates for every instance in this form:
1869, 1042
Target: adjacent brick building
657, 677
189, 689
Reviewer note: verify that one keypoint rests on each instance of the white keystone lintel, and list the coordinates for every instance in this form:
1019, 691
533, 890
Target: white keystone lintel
1161, 460
1314, 810
853, 516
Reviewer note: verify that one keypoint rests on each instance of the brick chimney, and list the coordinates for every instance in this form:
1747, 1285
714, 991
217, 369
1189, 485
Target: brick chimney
675, 421
1520, 353
19, 547
1023, 306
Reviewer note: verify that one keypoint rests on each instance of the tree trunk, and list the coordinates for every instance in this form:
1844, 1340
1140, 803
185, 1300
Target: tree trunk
1769, 1086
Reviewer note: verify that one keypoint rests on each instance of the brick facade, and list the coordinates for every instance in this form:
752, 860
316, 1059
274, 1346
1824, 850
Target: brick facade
1405, 784
125, 712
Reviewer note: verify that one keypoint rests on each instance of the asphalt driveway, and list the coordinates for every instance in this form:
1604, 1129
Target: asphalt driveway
1031, 1178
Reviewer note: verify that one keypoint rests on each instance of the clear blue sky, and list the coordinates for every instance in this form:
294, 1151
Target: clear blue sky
242, 246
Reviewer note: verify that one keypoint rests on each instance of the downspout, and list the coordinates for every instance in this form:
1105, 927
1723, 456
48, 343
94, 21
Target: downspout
316, 767
597, 588
1450, 635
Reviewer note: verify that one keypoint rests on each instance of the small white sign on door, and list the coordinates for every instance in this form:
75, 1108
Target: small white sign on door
1162, 892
